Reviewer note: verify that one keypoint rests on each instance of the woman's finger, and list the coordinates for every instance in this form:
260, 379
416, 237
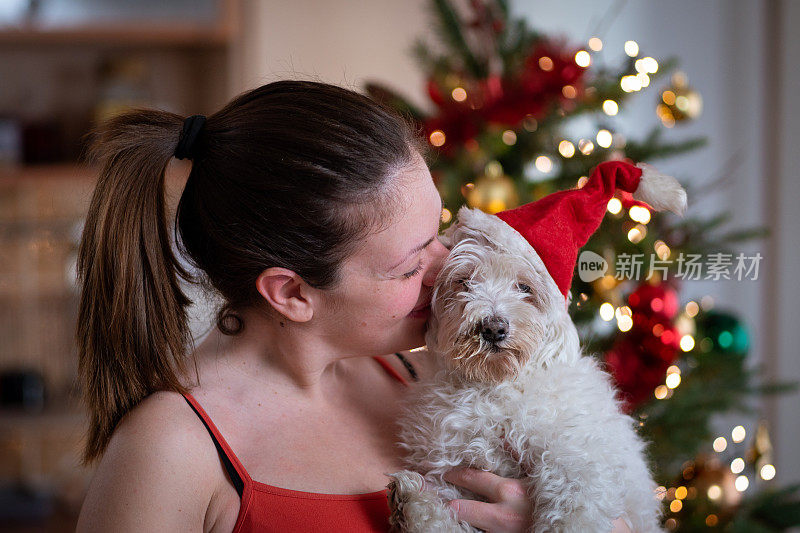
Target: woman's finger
487, 484
490, 517
620, 526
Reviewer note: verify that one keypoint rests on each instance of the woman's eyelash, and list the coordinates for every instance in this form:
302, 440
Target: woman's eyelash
413, 272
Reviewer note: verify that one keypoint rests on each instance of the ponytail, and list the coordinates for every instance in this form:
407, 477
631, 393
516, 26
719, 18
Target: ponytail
132, 327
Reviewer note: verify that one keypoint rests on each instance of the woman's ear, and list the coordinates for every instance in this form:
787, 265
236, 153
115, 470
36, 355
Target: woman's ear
287, 293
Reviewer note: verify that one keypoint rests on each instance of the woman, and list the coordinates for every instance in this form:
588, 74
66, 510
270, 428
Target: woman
309, 209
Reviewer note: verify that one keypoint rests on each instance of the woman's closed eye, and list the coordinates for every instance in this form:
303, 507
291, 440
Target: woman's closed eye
414, 272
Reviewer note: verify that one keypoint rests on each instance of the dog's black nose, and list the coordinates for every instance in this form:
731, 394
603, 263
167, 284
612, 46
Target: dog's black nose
494, 329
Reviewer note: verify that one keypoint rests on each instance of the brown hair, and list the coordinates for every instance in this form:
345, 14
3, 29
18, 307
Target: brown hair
290, 174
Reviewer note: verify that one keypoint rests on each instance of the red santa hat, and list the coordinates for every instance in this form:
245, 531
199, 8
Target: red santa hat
559, 224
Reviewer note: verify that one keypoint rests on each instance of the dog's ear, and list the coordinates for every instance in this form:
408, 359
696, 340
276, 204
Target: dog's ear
446, 238
485, 229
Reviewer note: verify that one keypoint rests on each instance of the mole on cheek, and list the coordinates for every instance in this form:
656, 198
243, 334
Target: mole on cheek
363, 324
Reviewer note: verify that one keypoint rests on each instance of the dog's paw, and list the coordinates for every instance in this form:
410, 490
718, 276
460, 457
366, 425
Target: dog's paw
402, 488
416, 508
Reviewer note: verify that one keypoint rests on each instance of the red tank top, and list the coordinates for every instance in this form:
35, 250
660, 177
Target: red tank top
265, 508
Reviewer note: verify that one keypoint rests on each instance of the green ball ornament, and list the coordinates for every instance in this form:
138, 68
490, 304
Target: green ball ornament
722, 332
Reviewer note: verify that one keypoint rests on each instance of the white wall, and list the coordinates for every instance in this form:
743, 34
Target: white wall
346, 42
782, 191
723, 45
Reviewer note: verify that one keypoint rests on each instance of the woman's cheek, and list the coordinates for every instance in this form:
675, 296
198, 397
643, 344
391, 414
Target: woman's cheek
406, 298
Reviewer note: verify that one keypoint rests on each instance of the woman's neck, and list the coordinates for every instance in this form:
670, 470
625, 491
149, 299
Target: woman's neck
282, 355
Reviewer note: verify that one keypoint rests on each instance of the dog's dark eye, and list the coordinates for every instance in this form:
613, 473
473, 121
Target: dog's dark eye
524, 288
464, 282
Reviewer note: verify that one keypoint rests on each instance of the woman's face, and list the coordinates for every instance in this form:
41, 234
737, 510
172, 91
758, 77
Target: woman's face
381, 304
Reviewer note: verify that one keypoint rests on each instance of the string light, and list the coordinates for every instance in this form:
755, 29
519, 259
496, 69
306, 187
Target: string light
706, 345
639, 214
637, 233
583, 180
614, 206
737, 465
606, 311
675, 506
624, 323
595, 44
630, 84
692, 309
681, 492
632, 48
447, 216
610, 108
767, 472
742, 483
583, 59
569, 91
644, 79
673, 380
646, 65
543, 164
712, 520
738, 434
437, 138
604, 138
509, 137
459, 94
714, 492
720, 444
545, 63
585, 146
687, 343
566, 148
662, 250
661, 392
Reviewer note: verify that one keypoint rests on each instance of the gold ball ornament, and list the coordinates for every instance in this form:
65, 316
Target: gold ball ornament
679, 102
714, 479
493, 191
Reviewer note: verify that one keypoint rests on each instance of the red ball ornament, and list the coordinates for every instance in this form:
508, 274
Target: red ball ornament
650, 299
639, 359
435, 92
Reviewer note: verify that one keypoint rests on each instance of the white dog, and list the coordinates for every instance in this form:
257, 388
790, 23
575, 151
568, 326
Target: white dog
512, 373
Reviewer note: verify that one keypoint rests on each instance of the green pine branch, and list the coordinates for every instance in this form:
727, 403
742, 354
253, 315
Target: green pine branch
451, 34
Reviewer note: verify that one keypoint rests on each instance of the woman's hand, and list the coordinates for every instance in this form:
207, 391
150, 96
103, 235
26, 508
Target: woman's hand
509, 509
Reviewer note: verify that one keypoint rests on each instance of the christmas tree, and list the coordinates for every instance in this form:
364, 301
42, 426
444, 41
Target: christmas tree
502, 94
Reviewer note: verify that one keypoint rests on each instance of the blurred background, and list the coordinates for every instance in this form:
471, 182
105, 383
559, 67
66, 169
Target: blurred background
730, 66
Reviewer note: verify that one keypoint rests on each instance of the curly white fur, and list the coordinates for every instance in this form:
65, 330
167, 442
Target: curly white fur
578, 454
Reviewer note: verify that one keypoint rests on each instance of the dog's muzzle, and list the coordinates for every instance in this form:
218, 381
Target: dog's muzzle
494, 329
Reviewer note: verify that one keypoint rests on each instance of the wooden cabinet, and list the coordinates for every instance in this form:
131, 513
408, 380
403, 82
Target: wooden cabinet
59, 75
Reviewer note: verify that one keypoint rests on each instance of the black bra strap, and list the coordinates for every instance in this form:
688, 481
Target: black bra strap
232, 473
408, 366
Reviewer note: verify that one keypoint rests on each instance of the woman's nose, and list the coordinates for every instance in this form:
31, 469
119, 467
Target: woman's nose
438, 253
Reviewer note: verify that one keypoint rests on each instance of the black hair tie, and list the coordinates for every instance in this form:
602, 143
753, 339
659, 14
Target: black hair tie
186, 143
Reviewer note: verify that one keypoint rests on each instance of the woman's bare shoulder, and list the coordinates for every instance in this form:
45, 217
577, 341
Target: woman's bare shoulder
158, 472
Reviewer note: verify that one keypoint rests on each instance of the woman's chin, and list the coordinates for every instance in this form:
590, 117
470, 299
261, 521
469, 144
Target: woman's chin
416, 337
